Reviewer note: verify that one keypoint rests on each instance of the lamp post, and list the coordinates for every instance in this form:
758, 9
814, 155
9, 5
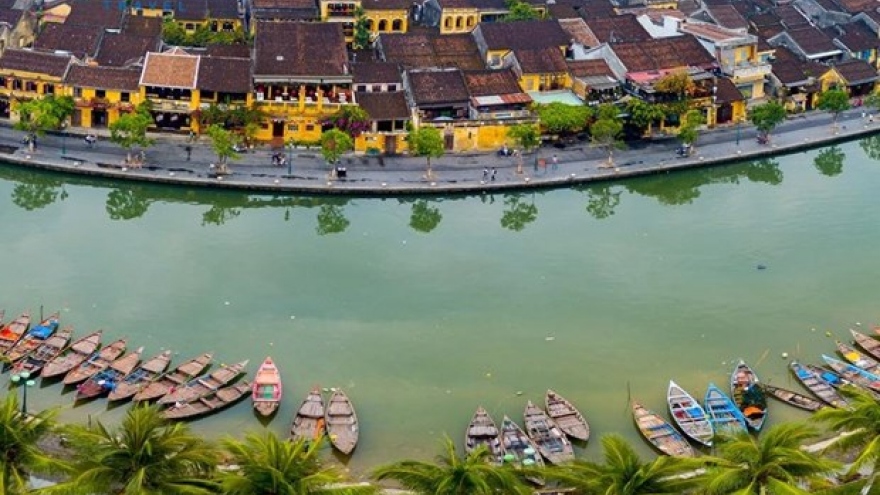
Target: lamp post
24, 379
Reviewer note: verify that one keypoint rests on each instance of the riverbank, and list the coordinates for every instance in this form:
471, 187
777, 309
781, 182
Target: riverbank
173, 160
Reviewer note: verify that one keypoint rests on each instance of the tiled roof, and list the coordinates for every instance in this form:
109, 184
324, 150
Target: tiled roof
141, 25
289, 49
547, 60
791, 17
223, 9
384, 106
14, 59
236, 51
171, 69
791, 70
225, 74
491, 82
386, 4
286, 9
10, 16
811, 40
91, 76
578, 31
562, 11
119, 49
376, 72
857, 37
663, 53
855, 6
763, 20
618, 29
190, 10
80, 41
711, 32
726, 92
102, 13
857, 71
589, 68
523, 35
430, 87
727, 16
474, 4
420, 50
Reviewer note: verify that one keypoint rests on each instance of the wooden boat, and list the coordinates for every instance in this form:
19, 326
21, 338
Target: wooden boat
853, 373
830, 376
204, 385
341, 422
868, 343
660, 433
266, 394
547, 435
747, 396
97, 362
860, 359
308, 423
213, 402
817, 385
174, 378
47, 351
726, 418
72, 356
481, 431
569, 419
144, 374
12, 332
793, 398
105, 380
33, 338
519, 450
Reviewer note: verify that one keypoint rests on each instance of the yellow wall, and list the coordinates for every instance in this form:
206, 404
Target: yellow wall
532, 82
831, 78
41, 81
378, 140
458, 20
389, 16
114, 103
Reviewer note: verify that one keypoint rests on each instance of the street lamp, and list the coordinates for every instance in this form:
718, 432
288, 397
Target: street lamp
24, 379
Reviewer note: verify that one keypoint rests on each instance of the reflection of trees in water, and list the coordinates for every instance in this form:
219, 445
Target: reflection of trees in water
765, 170
871, 146
602, 199
331, 220
517, 213
219, 215
36, 195
424, 217
829, 161
127, 203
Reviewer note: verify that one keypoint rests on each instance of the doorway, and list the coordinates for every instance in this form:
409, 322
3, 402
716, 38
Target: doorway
278, 129
390, 145
99, 118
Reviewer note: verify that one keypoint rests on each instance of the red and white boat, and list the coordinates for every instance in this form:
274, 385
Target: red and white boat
266, 392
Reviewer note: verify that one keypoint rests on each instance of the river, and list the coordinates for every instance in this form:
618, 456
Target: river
425, 308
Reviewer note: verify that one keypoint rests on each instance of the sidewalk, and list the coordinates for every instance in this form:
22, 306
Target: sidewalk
167, 161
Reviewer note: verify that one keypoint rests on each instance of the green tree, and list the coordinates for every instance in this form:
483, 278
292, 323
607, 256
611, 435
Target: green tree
873, 101
127, 203
452, 474
643, 114
331, 220
40, 115
145, 455
130, 130
559, 118
860, 422
605, 131
334, 144
518, 213
362, 33
527, 138
624, 473
426, 142
520, 11
223, 141
350, 119
680, 87
835, 102
767, 117
775, 462
173, 33
829, 161
19, 441
424, 217
269, 465
689, 130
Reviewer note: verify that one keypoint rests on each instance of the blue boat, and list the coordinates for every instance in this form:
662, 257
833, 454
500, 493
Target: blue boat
689, 415
726, 418
854, 374
818, 384
33, 338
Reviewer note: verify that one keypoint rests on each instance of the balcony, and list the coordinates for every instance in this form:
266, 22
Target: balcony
99, 103
751, 70
171, 106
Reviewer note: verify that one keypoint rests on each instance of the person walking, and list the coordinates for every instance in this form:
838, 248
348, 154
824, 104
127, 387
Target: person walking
485, 174
189, 150
555, 162
493, 173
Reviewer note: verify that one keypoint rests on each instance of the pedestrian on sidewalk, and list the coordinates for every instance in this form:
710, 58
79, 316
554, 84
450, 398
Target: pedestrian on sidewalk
485, 174
493, 174
91, 139
189, 150
555, 162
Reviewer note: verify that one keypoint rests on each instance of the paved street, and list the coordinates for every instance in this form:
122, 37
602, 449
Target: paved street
167, 160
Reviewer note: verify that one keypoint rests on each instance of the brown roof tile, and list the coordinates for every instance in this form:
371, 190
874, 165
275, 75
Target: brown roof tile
91, 76
726, 92
384, 106
421, 50
578, 31
386, 4
225, 74
190, 10
172, 69
430, 87
789, 69
790, 16
376, 72
141, 25
856, 37
14, 59
10, 16
856, 6
223, 9
663, 53
80, 41
856, 71
727, 16
812, 40
236, 51
491, 82
541, 61
524, 35
474, 4
290, 49
562, 11
286, 9
118, 49
589, 68
618, 29
102, 13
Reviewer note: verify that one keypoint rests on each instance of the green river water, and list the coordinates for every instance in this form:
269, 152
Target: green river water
423, 309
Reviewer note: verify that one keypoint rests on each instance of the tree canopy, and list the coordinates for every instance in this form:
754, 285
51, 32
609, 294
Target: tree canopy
44, 114
833, 101
520, 11
767, 116
426, 142
605, 131
362, 34
334, 144
223, 141
130, 130
559, 118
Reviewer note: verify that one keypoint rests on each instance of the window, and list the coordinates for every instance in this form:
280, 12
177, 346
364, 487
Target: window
383, 25
377, 88
125, 97
293, 128
746, 90
448, 23
459, 22
470, 21
397, 25
2, 82
49, 89
100, 93
228, 26
30, 86
361, 88
16, 84
392, 87
189, 26
310, 127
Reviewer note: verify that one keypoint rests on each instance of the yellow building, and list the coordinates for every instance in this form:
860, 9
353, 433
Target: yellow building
25, 75
541, 69
102, 93
857, 77
534, 49
387, 16
218, 15
169, 81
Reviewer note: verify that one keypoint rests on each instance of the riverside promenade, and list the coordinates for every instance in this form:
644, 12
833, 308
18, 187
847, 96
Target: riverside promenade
173, 160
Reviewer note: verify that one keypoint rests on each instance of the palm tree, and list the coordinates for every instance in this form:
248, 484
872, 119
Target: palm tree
271, 466
454, 475
19, 438
145, 455
773, 463
624, 473
861, 423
